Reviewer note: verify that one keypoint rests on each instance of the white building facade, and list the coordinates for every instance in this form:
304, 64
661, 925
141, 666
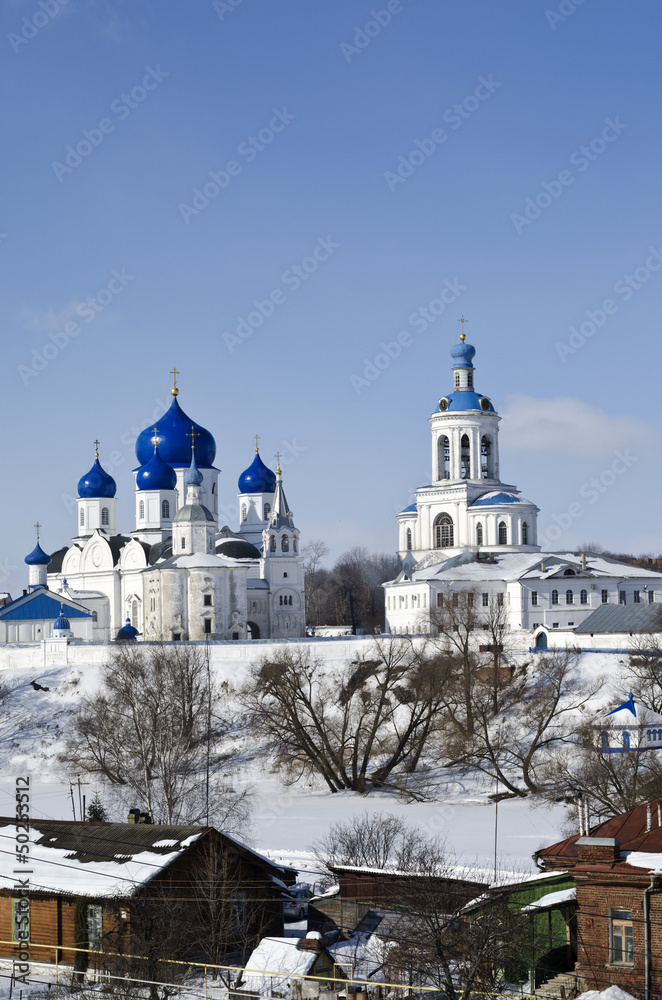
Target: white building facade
468, 530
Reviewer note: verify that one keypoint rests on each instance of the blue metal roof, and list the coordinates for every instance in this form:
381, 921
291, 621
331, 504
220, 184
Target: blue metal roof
156, 474
411, 509
257, 478
493, 499
462, 355
96, 483
173, 436
466, 401
39, 606
38, 557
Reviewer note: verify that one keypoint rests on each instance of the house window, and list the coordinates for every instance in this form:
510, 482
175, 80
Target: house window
456, 600
443, 532
534, 598
569, 572
637, 597
622, 937
82, 518
479, 534
500, 600
207, 600
486, 600
555, 597
94, 927
141, 510
267, 510
569, 597
503, 533
621, 597
409, 539
284, 544
165, 508
440, 600
105, 516
651, 597
20, 919
525, 534
583, 597
465, 457
443, 458
207, 626
605, 597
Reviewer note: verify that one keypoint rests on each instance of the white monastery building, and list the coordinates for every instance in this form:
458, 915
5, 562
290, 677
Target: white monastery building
175, 575
468, 530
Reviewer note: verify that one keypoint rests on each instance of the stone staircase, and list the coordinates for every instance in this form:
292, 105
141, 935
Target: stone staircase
565, 986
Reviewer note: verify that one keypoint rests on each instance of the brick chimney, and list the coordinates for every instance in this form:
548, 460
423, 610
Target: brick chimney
599, 849
312, 942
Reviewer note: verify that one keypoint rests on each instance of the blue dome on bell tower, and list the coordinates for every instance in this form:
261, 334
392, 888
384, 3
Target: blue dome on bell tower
96, 484
257, 478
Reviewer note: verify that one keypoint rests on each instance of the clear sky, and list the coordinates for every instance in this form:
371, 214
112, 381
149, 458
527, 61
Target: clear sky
366, 159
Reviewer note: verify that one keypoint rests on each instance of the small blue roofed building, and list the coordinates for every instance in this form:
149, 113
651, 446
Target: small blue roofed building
35, 615
630, 727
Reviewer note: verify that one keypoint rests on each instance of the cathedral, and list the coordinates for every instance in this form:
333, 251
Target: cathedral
176, 575
467, 530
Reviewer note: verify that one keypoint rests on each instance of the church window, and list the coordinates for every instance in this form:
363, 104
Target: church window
443, 458
284, 544
456, 600
555, 597
499, 600
465, 457
534, 598
105, 516
486, 600
443, 532
267, 510
470, 380
406, 601
569, 597
290, 601
637, 597
503, 533
213, 488
244, 512
207, 626
134, 614
295, 545
165, 508
141, 510
82, 518
235, 635
525, 534
284, 576
280, 600
457, 380
479, 534
409, 539
272, 543
583, 597
425, 601
183, 543
207, 600
605, 597
486, 457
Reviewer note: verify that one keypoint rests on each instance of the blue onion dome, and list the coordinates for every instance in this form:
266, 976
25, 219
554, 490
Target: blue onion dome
61, 622
462, 354
174, 440
96, 483
38, 557
257, 478
193, 476
156, 474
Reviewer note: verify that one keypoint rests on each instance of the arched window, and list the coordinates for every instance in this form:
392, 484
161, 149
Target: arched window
213, 488
503, 533
134, 614
465, 457
443, 458
244, 511
486, 457
457, 380
409, 539
267, 510
525, 534
272, 543
105, 516
479, 534
281, 599
284, 544
141, 510
569, 597
569, 572
555, 597
165, 508
583, 597
82, 518
443, 532
290, 601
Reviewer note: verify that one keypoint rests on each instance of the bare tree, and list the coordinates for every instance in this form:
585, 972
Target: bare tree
456, 619
360, 726
372, 841
154, 731
645, 669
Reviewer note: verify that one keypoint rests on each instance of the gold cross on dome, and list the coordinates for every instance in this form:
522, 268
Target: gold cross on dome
96, 448
36, 528
193, 434
277, 456
257, 442
174, 373
462, 320
155, 439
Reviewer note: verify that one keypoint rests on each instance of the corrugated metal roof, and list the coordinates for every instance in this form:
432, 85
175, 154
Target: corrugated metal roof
41, 605
111, 841
623, 618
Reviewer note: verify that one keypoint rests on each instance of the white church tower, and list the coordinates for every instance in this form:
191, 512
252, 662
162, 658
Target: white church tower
257, 488
282, 568
96, 500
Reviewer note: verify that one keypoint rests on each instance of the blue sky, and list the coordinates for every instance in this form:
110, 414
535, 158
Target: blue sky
494, 101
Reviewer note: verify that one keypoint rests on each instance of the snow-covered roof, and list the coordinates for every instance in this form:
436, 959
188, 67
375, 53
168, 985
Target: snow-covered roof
611, 993
550, 900
273, 961
650, 862
525, 566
